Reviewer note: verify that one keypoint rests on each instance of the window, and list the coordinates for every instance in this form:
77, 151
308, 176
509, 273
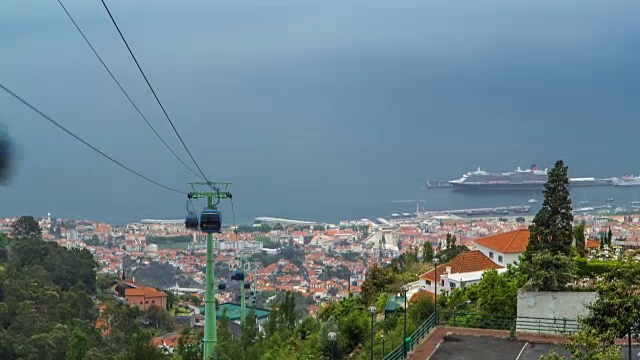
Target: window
500, 258
442, 282
153, 301
490, 254
428, 282
146, 302
452, 285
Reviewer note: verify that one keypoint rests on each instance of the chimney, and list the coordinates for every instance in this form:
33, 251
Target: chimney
448, 269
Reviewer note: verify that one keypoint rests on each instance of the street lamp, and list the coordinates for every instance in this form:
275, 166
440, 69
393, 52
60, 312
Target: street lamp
405, 288
332, 338
382, 336
435, 277
372, 311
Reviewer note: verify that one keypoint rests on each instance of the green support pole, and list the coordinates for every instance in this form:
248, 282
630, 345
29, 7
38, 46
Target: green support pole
210, 336
219, 191
243, 304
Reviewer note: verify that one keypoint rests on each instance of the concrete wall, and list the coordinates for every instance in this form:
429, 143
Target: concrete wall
549, 304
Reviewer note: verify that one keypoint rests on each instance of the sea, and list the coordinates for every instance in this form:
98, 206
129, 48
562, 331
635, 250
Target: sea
448, 199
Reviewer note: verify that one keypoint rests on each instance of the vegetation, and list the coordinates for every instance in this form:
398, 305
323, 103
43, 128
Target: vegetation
547, 258
46, 309
267, 243
451, 249
288, 338
161, 240
495, 294
613, 315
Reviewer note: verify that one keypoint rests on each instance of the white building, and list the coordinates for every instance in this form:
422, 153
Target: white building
466, 268
504, 248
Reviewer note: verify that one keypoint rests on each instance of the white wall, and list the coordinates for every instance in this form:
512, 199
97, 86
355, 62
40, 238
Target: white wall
506, 258
552, 304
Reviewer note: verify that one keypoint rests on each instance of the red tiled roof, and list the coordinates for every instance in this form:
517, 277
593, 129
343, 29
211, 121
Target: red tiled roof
420, 294
465, 262
144, 291
507, 243
593, 244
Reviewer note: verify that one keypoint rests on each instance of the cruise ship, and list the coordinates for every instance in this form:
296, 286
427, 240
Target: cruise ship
521, 179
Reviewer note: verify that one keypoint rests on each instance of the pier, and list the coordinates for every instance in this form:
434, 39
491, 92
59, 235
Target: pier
501, 210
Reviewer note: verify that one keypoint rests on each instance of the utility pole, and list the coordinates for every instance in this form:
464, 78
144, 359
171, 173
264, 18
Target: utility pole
217, 191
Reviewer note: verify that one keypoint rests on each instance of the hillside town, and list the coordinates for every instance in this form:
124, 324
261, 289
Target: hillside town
323, 263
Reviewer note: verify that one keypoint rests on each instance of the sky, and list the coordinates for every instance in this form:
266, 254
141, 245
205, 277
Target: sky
317, 110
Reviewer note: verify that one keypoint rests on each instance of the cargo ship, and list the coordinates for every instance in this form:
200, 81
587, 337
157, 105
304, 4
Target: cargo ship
519, 179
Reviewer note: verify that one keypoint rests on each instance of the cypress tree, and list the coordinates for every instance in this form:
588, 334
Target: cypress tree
551, 229
547, 258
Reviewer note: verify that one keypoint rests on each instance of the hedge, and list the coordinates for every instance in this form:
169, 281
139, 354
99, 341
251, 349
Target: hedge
593, 268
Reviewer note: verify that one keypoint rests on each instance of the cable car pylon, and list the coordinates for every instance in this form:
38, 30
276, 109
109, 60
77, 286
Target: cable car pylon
210, 222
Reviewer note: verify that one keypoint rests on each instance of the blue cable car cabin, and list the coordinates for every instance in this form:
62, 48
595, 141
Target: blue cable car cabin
238, 275
191, 222
210, 221
247, 285
222, 285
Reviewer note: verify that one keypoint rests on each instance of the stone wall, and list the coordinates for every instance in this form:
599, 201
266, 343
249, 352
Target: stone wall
565, 307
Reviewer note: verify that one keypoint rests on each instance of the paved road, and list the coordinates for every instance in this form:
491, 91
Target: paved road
465, 347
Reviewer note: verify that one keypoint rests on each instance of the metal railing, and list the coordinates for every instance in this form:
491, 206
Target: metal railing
416, 337
502, 322
485, 321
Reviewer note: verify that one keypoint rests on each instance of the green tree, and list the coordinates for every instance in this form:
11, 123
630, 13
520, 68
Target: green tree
26, 226
551, 229
587, 344
551, 272
496, 294
427, 252
379, 280
78, 346
159, 317
551, 235
609, 236
278, 226
617, 308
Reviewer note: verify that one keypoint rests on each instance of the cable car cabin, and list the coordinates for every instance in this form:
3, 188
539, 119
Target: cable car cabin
238, 275
191, 222
222, 285
210, 221
251, 293
253, 302
247, 285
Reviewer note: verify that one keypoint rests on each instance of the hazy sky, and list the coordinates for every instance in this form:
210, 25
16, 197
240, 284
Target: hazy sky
317, 109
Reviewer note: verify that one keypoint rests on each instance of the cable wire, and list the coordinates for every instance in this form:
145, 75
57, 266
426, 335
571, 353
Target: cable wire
122, 89
153, 91
86, 143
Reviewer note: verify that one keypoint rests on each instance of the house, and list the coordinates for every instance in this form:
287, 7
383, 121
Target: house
466, 268
505, 248
145, 297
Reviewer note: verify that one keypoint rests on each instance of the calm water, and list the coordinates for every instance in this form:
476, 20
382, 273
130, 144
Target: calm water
445, 199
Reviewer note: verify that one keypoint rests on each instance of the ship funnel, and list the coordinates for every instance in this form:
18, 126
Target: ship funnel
534, 167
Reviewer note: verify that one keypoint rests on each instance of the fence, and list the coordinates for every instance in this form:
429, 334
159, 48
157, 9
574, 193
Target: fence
485, 321
416, 337
501, 322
